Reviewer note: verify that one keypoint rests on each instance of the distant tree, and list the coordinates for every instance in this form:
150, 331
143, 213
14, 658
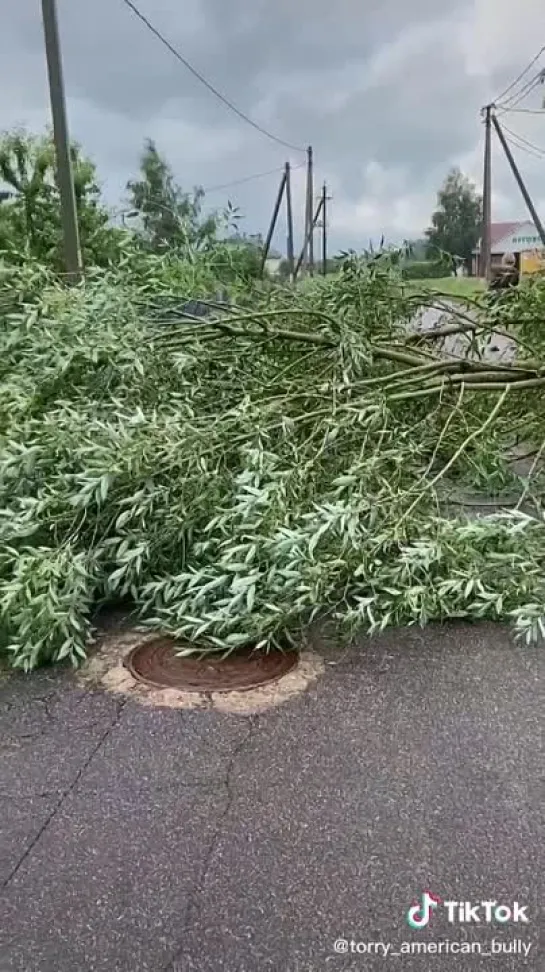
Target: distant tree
417, 249
456, 223
168, 217
30, 220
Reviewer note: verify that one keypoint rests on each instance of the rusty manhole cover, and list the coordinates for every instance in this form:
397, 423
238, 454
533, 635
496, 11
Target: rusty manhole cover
156, 663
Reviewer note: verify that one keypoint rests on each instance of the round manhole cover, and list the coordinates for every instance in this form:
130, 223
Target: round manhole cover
156, 663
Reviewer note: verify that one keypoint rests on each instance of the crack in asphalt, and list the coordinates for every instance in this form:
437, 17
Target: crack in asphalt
65, 793
29, 701
197, 890
31, 736
26, 704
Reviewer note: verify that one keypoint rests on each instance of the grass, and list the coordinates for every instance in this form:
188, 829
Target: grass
457, 286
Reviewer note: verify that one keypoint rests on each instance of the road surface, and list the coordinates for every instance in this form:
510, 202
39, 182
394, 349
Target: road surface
138, 840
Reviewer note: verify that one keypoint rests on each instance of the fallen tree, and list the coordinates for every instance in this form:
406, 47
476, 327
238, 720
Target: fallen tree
236, 474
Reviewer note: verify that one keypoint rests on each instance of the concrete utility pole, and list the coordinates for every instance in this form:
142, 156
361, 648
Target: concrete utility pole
309, 223
309, 232
65, 180
484, 268
514, 168
325, 200
272, 226
289, 219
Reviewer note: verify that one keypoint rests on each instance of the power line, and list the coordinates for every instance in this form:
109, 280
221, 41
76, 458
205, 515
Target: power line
527, 111
519, 180
131, 211
516, 98
207, 84
523, 148
525, 142
520, 77
250, 178
226, 185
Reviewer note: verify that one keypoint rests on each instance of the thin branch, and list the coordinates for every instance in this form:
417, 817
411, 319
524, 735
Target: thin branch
456, 455
531, 472
469, 326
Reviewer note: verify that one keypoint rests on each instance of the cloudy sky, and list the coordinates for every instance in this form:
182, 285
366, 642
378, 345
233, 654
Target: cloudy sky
387, 92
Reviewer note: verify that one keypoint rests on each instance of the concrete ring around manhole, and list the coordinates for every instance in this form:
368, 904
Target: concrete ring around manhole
112, 667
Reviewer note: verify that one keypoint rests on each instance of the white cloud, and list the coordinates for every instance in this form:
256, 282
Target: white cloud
387, 206
499, 37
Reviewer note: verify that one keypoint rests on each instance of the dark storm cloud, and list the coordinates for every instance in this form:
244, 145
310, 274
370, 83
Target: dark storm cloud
387, 92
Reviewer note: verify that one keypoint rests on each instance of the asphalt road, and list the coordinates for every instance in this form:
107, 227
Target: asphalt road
138, 839
499, 349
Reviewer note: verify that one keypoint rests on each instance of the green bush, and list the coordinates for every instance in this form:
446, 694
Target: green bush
425, 269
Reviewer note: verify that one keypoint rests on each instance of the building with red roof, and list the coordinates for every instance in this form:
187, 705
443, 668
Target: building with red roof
520, 238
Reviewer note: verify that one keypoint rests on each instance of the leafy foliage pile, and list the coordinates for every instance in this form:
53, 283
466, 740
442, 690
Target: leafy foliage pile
235, 475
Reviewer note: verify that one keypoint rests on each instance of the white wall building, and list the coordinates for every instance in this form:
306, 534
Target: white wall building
520, 238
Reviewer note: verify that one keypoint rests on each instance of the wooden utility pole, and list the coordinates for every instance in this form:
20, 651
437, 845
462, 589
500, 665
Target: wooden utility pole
289, 219
484, 268
309, 224
514, 168
309, 232
65, 179
270, 233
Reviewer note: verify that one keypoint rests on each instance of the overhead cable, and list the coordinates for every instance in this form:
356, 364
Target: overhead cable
250, 178
519, 96
229, 104
520, 77
540, 152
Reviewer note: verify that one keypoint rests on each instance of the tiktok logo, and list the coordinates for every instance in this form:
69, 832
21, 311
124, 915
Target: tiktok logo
418, 915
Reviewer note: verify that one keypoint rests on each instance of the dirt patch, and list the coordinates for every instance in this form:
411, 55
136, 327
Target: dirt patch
106, 669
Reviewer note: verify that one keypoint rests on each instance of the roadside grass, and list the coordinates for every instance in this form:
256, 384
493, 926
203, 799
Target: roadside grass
447, 286
456, 286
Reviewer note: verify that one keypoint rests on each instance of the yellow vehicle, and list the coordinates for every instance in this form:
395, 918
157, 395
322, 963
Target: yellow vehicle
532, 261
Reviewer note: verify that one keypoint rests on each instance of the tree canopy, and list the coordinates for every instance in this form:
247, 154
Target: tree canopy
167, 220
30, 220
167, 216
456, 223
